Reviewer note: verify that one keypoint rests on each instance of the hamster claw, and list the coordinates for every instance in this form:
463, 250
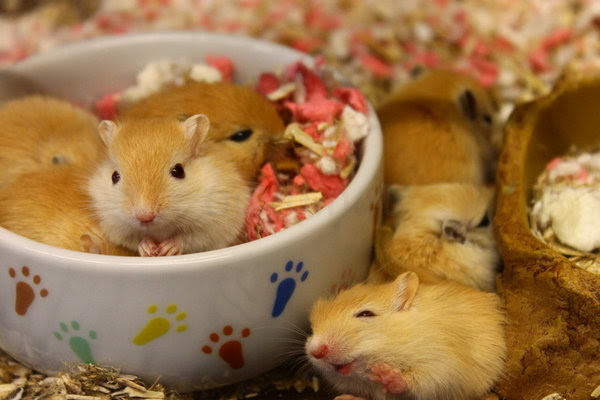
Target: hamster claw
147, 248
170, 247
391, 378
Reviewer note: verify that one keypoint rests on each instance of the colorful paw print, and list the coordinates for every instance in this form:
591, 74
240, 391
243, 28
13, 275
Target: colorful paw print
230, 351
25, 291
78, 344
159, 326
286, 287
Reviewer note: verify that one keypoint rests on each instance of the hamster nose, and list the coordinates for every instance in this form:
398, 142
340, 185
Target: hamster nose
320, 351
145, 216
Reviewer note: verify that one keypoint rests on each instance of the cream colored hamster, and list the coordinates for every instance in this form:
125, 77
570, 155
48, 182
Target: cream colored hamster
52, 207
181, 168
404, 340
39, 133
440, 231
439, 128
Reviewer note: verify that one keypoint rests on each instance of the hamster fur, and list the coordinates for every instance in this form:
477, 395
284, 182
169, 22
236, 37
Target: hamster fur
439, 128
405, 340
52, 207
40, 133
216, 136
440, 231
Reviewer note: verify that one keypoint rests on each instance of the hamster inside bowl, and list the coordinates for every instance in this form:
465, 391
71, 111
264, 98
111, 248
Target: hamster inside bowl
195, 321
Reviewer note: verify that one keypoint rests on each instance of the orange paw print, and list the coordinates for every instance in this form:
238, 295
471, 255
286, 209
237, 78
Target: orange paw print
25, 291
230, 351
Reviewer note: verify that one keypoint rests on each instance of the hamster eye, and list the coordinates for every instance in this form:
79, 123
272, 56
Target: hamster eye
58, 159
177, 171
115, 177
485, 221
365, 313
487, 118
240, 136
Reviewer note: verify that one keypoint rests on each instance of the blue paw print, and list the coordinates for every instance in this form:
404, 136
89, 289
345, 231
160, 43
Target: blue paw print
286, 287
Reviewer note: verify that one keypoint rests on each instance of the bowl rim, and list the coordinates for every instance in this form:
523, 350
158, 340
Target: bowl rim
365, 174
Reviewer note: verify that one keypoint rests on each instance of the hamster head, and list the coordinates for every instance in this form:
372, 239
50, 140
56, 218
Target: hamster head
444, 230
166, 177
351, 333
246, 125
473, 101
41, 132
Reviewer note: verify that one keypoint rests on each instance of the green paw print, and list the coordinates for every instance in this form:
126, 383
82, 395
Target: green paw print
159, 326
80, 345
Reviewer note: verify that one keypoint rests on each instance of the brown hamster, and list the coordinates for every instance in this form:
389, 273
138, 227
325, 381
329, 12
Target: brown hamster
406, 340
439, 128
39, 133
52, 207
440, 231
181, 167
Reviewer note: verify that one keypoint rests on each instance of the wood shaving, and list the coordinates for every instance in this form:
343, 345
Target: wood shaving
295, 132
297, 200
282, 92
596, 393
554, 396
138, 394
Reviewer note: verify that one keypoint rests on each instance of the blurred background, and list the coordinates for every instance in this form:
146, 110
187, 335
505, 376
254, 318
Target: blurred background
516, 47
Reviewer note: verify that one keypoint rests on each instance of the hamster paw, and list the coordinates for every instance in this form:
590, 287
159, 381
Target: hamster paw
148, 248
391, 378
170, 247
349, 397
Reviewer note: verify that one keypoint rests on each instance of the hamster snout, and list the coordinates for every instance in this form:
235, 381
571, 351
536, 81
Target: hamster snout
329, 356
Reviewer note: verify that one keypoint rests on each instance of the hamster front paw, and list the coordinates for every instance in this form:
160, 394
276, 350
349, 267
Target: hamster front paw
392, 379
148, 247
170, 247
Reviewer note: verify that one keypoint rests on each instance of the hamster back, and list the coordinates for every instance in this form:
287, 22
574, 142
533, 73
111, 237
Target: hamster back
41, 133
439, 128
52, 207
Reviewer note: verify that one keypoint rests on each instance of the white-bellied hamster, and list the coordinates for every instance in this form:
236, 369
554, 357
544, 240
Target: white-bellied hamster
181, 167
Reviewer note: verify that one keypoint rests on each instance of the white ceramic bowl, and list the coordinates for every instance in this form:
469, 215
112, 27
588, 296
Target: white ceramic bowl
199, 320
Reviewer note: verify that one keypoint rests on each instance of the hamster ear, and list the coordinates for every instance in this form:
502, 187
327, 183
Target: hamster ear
468, 104
107, 130
405, 286
395, 193
195, 129
454, 231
